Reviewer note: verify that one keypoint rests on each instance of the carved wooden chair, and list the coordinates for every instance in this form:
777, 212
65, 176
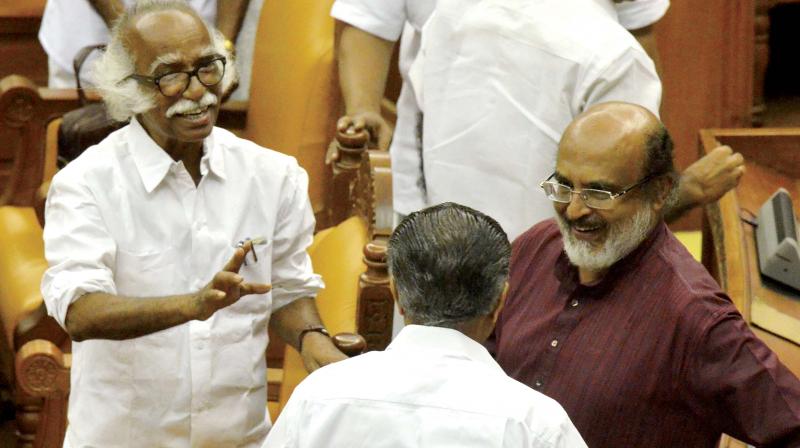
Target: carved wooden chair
351, 257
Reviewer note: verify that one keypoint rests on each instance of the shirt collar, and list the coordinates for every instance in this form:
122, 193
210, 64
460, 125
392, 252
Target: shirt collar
567, 274
153, 163
444, 341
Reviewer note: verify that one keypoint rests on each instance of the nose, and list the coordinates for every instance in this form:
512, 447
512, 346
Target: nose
576, 208
195, 90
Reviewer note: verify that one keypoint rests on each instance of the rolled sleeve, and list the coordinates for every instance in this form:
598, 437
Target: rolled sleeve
79, 250
629, 78
293, 276
383, 18
640, 13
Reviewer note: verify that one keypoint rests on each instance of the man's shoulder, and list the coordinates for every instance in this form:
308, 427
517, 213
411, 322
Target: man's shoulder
576, 30
251, 154
97, 160
693, 293
542, 234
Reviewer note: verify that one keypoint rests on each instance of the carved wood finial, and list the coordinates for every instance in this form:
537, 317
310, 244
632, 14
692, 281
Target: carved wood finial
42, 369
19, 98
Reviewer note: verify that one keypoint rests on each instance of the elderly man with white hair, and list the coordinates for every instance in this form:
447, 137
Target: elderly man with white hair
172, 246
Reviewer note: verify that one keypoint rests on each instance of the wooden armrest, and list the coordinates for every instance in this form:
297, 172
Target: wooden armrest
350, 344
42, 369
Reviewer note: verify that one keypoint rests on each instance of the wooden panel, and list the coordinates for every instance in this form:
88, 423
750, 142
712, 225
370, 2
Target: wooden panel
707, 58
20, 51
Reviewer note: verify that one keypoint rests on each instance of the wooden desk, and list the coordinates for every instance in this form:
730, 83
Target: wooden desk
773, 161
729, 250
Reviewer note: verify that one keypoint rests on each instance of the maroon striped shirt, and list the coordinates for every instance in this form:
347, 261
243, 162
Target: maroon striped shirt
655, 355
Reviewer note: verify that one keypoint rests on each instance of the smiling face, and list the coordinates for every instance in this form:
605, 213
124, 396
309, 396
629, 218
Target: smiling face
167, 41
604, 149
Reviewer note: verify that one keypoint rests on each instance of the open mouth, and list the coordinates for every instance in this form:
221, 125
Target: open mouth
587, 232
196, 114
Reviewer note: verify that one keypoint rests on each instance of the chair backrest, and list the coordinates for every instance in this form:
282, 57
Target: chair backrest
351, 257
294, 92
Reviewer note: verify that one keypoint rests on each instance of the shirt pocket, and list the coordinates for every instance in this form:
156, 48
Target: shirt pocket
148, 274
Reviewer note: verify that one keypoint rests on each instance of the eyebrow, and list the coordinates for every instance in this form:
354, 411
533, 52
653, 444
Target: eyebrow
594, 185
175, 58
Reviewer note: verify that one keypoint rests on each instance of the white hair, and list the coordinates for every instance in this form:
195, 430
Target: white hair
622, 238
125, 97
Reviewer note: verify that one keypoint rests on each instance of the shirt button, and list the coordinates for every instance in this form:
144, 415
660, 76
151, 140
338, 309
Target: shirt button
574, 303
554, 343
537, 384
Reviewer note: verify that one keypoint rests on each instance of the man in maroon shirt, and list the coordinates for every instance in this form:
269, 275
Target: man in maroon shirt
609, 314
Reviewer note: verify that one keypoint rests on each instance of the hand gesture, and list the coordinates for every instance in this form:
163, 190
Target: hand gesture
713, 175
227, 286
380, 131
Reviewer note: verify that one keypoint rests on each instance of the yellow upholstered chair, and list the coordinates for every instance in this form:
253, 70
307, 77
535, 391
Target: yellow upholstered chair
351, 258
337, 256
294, 93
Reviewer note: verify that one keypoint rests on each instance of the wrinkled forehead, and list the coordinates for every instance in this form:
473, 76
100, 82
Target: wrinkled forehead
171, 37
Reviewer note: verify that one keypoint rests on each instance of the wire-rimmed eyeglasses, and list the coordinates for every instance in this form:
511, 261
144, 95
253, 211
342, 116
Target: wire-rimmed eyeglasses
597, 199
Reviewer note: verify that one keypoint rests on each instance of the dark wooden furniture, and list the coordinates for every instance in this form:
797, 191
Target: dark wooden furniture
729, 249
20, 51
707, 74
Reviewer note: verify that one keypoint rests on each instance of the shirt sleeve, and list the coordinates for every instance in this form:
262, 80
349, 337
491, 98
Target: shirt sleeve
631, 78
292, 274
79, 249
382, 18
743, 387
640, 13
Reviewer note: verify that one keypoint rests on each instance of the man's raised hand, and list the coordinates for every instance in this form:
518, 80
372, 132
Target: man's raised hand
227, 286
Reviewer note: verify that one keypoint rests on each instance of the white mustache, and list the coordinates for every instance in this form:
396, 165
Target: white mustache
185, 105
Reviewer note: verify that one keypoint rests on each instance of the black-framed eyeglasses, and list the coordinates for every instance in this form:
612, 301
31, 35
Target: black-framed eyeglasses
175, 83
597, 199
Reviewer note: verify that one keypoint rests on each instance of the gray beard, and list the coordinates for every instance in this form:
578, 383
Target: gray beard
623, 237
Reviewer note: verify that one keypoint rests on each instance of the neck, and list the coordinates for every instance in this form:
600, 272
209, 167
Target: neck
190, 154
589, 277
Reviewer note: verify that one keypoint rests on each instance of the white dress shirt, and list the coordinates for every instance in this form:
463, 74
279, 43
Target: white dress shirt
635, 14
502, 79
432, 387
126, 219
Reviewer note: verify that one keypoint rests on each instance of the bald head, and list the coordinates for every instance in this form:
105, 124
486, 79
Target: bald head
620, 134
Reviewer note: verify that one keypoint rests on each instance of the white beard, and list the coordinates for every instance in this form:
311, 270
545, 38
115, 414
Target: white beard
623, 237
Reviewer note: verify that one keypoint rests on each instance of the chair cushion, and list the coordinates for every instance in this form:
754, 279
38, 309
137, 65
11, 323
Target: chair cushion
22, 265
337, 255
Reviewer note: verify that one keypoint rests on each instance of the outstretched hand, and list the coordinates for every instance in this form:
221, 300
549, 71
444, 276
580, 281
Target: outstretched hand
709, 178
227, 286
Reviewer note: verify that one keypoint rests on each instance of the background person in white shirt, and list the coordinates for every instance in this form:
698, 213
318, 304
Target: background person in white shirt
162, 243
369, 32
499, 82
365, 49
435, 385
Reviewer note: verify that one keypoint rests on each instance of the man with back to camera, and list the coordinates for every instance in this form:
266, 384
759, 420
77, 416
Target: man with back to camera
435, 385
609, 315
163, 241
